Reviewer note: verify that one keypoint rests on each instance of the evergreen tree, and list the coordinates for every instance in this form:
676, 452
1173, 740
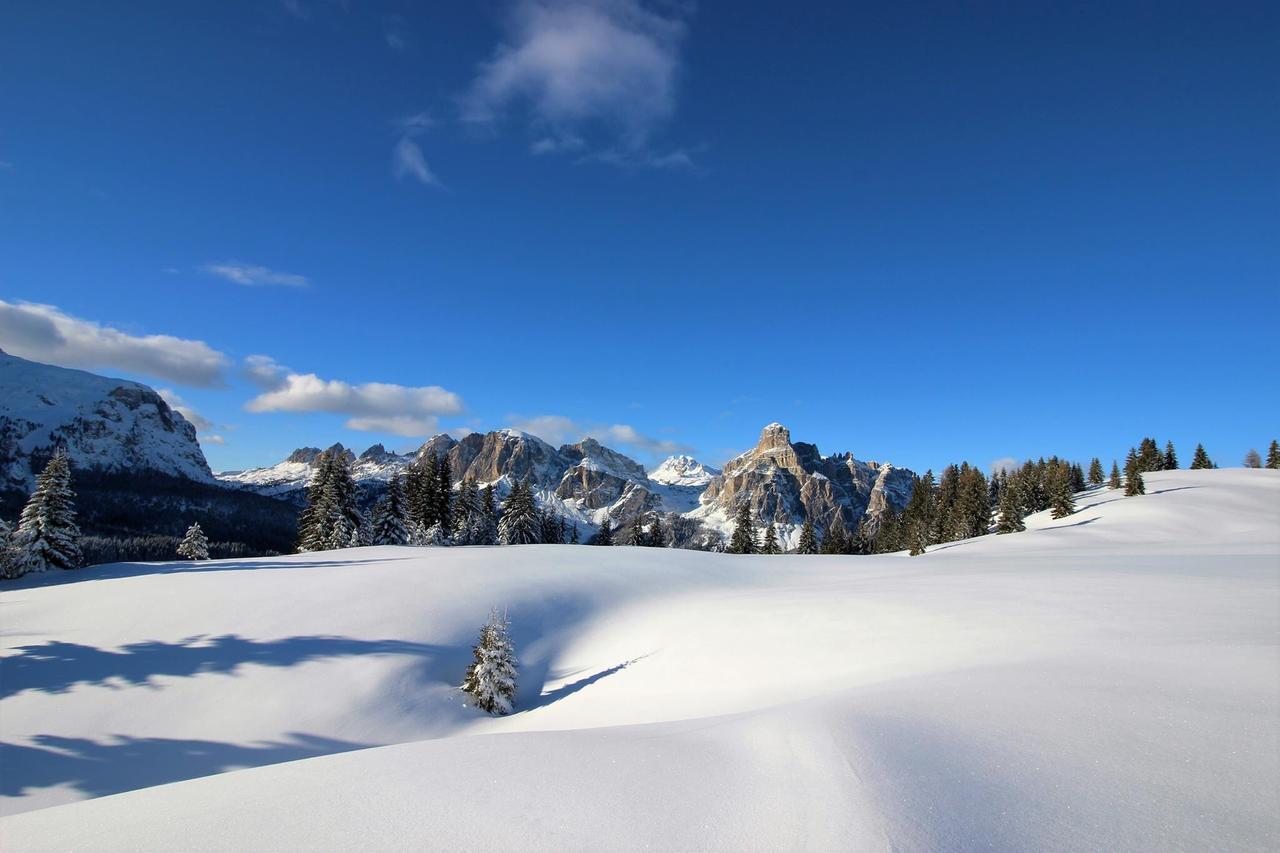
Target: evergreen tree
421, 485
657, 534
390, 524
743, 540
195, 545
550, 528
1273, 454
1114, 482
918, 517
889, 537
1010, 520
486, 532
836, 540
1096, 477
1133, 484
808, 538
467, 514
519, 524
47, 535
1170, 457
1077, 478
491, 677
10, 566
442, 511
770, 545
636, 537
573, 537
1062, 500
1200, 459
605, 536
1252, 459
1149, 456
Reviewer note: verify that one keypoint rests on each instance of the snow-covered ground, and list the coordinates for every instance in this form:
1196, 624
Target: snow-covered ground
1107, 681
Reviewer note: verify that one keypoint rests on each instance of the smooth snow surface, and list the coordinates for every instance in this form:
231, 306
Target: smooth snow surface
1110, 681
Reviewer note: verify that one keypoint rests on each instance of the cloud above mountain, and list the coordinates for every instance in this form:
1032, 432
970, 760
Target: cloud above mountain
46, 333
557, 429
370, 407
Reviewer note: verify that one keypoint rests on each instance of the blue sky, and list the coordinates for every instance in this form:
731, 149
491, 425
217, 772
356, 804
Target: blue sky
918, 232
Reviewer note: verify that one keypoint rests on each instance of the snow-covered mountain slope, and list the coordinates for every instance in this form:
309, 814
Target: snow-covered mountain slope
683, 471
109, 424
1106, 681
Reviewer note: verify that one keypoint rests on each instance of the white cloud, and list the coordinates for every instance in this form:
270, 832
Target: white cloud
557, 429
372, 406
265, 372
45, 333
408, 161
1005, 463
252, 275
179, 405
212, 439
602, 68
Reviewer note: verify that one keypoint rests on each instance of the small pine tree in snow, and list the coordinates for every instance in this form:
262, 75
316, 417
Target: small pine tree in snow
1170, 457
435, 536
657, 534
605, 536
1253, 459
1273, 454
1200, 459
1096, 477
1114, 482
743, 540
491, 677
808, 538
770, 545
47, 534
195, 545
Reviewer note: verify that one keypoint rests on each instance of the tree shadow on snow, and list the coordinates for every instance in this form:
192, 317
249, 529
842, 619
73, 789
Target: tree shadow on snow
1074, 523
574, 686
114, 571
56, 667
128, 763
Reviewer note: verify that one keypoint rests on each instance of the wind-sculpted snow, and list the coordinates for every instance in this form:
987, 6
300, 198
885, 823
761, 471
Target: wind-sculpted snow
1105, 681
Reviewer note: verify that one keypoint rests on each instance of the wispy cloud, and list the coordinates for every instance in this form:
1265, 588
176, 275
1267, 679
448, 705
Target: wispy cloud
45, 333
408, 161
394, 32
372, 406
1006, 464
579, 70
557, 429
253, 275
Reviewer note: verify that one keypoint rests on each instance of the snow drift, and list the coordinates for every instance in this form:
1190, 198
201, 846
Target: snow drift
1100, 682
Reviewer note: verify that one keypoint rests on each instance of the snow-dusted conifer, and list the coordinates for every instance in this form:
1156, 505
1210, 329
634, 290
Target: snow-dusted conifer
1273, 454
1096, 477
808, 538
47, 536
1253, 459
770, 545
636, 536
491, 677
743, 540
1133, 483
194, 545
1061, 499
519, 523
435, 536
605, 536
389, 524
1170, 457
10, 567
1114, 481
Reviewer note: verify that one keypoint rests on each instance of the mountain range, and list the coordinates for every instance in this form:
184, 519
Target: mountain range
120, 429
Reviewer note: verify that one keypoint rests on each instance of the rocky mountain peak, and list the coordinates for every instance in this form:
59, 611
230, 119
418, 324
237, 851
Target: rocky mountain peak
303, 455
683, 470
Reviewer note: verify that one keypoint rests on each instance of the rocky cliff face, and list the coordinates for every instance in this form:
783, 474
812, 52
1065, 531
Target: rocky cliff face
110, 425
784, 482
